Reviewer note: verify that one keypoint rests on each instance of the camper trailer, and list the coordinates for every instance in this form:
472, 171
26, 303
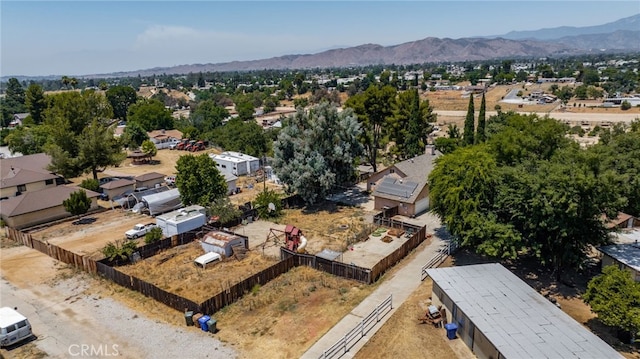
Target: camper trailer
182, 220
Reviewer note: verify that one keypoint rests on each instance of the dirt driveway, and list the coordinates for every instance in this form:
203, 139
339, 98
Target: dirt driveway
90, 238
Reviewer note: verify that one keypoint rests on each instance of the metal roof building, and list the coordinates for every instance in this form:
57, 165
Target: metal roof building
500, 316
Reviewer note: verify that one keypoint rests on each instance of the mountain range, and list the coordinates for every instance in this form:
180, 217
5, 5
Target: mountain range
619, 36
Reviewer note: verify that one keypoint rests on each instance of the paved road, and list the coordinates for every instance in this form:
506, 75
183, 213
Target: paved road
563, 116
405, 281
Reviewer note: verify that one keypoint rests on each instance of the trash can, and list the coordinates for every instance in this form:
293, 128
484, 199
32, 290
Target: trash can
212, 325
451, 330
203, 323
188, 316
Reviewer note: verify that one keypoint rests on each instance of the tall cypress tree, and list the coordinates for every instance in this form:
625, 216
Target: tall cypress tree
469, 125
480, 134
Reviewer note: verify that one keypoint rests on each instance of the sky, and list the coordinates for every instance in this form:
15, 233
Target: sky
75, 38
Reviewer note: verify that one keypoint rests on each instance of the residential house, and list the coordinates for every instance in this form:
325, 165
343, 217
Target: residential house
497, 315
42, 206
164, 138
404, 184
624, 256
26, 174
18, 119
149, 180
622, 221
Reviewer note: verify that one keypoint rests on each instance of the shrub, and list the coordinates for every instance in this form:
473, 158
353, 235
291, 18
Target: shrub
90, 184
154, 235
625, 105
119, 250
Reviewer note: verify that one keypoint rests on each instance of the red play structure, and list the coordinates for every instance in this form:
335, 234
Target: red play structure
294, 240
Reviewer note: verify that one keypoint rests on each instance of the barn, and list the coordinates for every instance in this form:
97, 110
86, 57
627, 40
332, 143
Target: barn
499, 316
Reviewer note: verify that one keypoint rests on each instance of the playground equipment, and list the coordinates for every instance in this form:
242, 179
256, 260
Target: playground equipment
293, 239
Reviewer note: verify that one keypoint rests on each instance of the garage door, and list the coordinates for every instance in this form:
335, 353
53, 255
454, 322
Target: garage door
422, 205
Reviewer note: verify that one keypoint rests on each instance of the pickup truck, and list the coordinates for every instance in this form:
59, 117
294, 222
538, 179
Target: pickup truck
139, 230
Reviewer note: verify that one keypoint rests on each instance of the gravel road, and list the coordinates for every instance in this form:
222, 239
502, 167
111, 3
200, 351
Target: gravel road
65, 320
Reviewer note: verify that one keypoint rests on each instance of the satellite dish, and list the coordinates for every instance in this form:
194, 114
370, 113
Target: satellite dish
271, 206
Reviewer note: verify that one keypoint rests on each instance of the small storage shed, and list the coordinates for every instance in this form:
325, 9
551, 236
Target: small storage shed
228, 164
117, 187
149, 180
624, 256
223, 242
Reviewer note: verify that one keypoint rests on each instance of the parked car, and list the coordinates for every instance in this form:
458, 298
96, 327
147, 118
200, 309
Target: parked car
14, 327
139, 230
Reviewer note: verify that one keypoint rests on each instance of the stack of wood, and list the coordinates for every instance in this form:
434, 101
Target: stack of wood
239, 252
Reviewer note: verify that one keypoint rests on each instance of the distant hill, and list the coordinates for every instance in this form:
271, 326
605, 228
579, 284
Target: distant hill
631, 23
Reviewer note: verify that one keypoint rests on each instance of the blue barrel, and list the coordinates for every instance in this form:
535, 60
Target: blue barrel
203, 322
451, 330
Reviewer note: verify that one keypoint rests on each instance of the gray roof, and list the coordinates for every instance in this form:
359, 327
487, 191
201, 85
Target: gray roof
399, 189
515, 318
418, 167
627, 254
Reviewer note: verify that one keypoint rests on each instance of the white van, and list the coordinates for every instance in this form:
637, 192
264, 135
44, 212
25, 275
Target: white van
14, 327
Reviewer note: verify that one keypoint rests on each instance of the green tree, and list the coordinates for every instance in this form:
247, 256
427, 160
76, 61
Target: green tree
316, 151
15, 96
268, 204
245, 137
35, 103
121, 97
98, 148
224, 210
373, 108
208, 116
151, 115
149, 148
469, 124
245, 110
615, 297
28, 140
411, 124
199, 180
134, 135
625, 105
480, 131
78, 203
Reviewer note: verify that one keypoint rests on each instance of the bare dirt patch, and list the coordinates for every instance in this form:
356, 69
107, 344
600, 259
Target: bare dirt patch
286, 316
89, 239
174, 271
404, 336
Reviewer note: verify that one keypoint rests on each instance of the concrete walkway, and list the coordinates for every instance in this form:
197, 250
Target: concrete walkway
404, 282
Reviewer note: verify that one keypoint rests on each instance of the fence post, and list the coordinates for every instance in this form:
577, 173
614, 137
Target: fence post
391, 300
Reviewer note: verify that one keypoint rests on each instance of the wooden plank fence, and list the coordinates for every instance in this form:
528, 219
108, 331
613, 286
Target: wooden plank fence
387, 262
340, 269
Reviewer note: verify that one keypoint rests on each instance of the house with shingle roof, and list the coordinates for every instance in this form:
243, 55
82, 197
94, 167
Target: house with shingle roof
164, 138
19, 175
120, 186
42, 206
404, 185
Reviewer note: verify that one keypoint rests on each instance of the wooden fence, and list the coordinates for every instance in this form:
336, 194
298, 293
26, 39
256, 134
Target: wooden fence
169, 299
81, 262
340, 269
387, 262
238, 290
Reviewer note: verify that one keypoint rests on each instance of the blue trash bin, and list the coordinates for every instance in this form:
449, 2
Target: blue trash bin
451, 330
203, 322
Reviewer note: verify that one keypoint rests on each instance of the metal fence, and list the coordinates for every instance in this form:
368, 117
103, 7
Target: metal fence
342, 346
444, 252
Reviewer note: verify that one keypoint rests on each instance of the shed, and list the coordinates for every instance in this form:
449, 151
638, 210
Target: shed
252, 163
500, 316
624, 256
228, 164
231, 181
149, 180
162, 202
117, 187
223, 242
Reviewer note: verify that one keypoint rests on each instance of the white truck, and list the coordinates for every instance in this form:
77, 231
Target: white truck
139, 230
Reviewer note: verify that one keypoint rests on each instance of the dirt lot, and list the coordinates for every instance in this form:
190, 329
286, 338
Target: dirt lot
173, 270
90, 238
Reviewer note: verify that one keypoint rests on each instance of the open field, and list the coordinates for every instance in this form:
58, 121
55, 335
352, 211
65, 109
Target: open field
174, 271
